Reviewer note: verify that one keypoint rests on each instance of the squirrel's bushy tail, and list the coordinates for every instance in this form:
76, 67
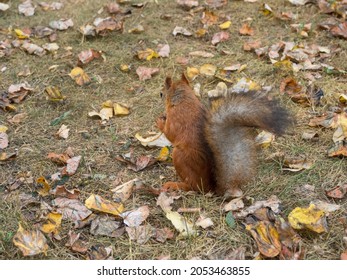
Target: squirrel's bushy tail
230, 134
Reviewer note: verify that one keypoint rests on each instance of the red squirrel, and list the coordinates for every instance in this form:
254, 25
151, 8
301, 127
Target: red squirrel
214, 149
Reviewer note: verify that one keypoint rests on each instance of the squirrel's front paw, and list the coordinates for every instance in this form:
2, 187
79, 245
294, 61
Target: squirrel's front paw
161, 122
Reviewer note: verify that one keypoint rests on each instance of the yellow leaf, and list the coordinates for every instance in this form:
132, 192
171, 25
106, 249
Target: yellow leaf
30, 242
53, 94
284, 64
3, 128
208, 69
308, 218
185, 227
53, 223
192, 73
157, 140
44, 191
120, 110
265, 138
164, 154
266, 237
20, 34
124, 67
200, 32
147, 54
96, 202
225, 25
80, 77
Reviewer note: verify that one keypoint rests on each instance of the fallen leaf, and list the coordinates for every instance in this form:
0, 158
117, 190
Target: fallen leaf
225, 25
46, 187
54, 6
113, 8
201, 54
120, 110
208, 69
340, 30
97, 203
201, 32
234, 205
180, 30
4, 7
209, 18
163, 50
75, 244
310, 135
266, 237
220, 37
61, 24
81, 78
192, 73
204, 222
246, 30
216, 3
141, 234
21, 34
338, 150
53, 94
137, 29
344, 255
63, 132
106, 226
297, 164
156, 140
251, 45
181, 224
100, 252
26, 8
61, 191
298, 2
337, 192
164, 200
188, 4
5, 156
53, 223
105, 25
33, 49
3, 140
310, 218
161, 235
146, 73
3, 128
30, 243
87, 56
122, 192
325, 206
264, 139
147, 54
136, 217
164, 154
71, 165
51, 47
72, 209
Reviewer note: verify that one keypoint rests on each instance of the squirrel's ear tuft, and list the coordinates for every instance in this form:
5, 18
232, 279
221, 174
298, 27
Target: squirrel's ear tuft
168, 82
184, 79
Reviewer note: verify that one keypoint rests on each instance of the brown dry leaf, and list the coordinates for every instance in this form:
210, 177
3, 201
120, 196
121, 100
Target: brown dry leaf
18, 92
246, 30
145, 73
71, 165
337, 192
98, 203
201, 54
26, 8
3, 140
72, 209
113, 8
338, 150
340, 30
81, 78
25, 72
344, 255
104, 25
51, 47
5, 156
310, 218
164, 200
46, 187
54, 6
216, 3
297, 164
61, 191
106, 226
209, 18
58, 158
220, 37
310, 135
87, 56
141, 234
147, 54
100, 252
136, 217
53, 223
33, 49
75, 244
61, 24
161, 235
137, 29
30, 243
180, 30
124, 191
139, 163
251, 45
266, 237
234, 205
208, 69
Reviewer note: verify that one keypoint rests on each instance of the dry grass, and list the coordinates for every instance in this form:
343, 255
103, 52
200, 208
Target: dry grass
34, 138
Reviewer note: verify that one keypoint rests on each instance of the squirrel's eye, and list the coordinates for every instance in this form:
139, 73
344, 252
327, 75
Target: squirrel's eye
161, 94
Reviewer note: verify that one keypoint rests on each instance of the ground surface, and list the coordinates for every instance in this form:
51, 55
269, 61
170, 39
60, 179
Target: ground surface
99, 144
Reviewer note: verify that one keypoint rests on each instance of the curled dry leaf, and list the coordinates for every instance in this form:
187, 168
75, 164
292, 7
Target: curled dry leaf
61, 191
51, 47
297, 164
136, 217
164, 50
147, 54
100, 252
180, 30
340, 30
63, 132
209, 18
106, 226
3, 140
30, 243
145, 73
53, 223
192, 73
123, 192
156, 140
120, 110
137, 29
53, 94
234, 205
325, 206
61, 24
141, 234
216, 3
76, 244
337, 192
72, 209
246, 30
204, 222
208, 69
4, 7
185, 227
98, 203
164, 201
33, 49
310, 218
54, 6
264, 139
105, 25
46, 187
71, 165
87, 56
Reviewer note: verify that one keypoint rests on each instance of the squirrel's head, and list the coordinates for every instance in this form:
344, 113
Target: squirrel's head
174, 91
